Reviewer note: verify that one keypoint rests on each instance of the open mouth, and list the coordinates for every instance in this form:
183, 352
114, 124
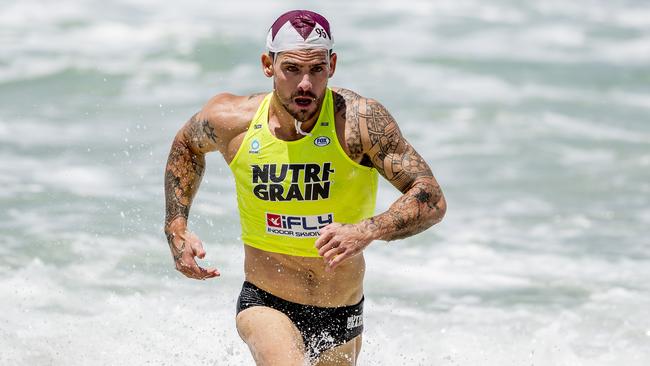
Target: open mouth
303, 101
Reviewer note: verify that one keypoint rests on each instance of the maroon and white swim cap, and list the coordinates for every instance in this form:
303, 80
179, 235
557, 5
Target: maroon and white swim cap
299, 29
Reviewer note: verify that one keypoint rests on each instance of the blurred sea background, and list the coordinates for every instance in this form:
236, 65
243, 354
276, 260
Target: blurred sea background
534, 116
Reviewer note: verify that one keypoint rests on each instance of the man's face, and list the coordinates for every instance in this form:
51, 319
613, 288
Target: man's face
300, 80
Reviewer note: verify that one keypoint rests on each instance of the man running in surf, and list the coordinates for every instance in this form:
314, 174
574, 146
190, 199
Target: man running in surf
305, 159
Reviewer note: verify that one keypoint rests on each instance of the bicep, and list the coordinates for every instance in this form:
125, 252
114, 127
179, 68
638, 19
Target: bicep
390, 153
200, 135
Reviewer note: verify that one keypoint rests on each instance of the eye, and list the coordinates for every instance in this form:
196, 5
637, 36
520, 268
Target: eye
291, 68
316, 69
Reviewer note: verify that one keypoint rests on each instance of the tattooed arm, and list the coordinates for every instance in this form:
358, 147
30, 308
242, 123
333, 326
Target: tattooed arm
185, 166
183, 174
219, 126
422, 203
374, 139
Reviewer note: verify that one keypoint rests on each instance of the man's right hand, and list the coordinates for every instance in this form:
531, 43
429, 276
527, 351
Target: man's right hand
185, 246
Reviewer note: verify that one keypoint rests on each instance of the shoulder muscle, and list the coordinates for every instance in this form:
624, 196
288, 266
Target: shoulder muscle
374, 133
224, 117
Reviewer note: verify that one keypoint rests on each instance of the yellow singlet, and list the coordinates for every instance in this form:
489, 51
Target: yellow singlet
288, 190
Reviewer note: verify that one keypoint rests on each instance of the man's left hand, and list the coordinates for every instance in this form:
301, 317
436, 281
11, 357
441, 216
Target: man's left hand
338, 242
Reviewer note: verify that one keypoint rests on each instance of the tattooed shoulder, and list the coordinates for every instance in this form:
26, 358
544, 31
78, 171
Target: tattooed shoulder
343, 99
346, 105
200, 134
255, 95
389, 152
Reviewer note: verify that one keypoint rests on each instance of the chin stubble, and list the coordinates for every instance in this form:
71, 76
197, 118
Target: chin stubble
301, 116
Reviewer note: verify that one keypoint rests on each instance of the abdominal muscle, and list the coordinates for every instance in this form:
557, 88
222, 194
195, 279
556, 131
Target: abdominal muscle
304, 280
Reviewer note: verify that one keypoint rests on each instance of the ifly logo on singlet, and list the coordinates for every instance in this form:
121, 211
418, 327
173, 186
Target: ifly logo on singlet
307, 182
297, 226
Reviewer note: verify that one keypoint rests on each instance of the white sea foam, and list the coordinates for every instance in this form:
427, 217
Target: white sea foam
81, 180
210, 209
586, 129
635, 17
555, 35
641, 100
536, 262
23, 13
630, 51
31, 134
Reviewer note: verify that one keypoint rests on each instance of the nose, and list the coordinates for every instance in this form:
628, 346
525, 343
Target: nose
305, 83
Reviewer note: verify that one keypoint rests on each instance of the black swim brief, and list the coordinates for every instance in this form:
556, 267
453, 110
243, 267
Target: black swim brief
321, 328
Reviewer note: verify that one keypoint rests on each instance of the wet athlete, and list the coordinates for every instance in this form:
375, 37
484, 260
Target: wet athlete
305, 159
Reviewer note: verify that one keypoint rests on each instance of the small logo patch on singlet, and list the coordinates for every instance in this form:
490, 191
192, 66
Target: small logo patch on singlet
255, 147
322, 141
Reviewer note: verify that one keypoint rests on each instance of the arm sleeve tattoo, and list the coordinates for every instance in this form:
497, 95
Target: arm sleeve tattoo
422, 203
185, 167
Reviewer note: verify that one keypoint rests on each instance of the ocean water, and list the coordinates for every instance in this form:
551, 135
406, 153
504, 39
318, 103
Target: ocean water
534, 116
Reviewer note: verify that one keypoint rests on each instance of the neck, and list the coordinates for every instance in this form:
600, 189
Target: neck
282, 124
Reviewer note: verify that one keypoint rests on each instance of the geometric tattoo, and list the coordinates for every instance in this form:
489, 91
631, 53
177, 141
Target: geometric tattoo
372, 135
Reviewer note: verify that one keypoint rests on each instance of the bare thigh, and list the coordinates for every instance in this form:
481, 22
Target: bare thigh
343, 355
271, 337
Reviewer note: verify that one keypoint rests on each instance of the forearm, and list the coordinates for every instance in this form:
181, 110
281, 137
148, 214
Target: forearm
183, 175
420, 207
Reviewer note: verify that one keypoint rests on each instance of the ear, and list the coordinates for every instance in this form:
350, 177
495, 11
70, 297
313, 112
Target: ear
332, 64
267, 65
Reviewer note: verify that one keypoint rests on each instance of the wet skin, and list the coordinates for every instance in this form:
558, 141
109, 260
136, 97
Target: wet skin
369, 136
